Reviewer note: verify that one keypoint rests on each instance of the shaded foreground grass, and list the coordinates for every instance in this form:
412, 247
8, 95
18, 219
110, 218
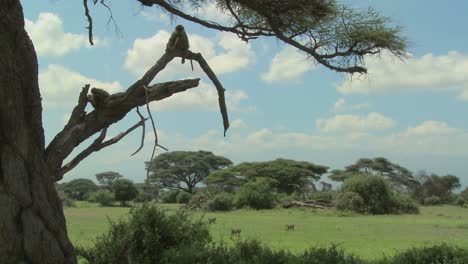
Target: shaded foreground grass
366, 236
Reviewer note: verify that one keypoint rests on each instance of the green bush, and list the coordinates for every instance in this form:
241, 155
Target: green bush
169, 196
221, 202
66, 201
79, 189
350, 201
403, 204
257, 194
439, 254
149, 235
432, 200
143, 197
104, 198
370, 194
183, 197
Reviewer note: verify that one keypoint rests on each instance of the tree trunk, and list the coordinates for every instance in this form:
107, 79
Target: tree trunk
32, 223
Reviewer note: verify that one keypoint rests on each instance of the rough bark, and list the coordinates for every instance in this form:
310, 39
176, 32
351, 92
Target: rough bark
32, 224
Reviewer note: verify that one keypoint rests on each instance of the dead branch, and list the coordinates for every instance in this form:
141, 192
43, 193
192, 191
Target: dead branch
97, 145
142, 132
90, 22
78, 112
303, 204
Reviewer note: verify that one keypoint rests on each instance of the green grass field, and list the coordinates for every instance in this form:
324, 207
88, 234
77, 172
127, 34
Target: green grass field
366, 236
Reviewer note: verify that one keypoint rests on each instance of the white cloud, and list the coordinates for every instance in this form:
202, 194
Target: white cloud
341, 105
212, 13
49, 38
204, 97
238, 123
288, 64
61, 86
350, 123
236, 55
429, 72
154, 15
430, 128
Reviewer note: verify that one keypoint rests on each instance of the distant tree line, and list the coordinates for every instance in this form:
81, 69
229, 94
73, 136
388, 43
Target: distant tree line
201, 179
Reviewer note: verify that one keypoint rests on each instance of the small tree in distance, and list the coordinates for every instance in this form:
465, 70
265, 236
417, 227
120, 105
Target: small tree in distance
107, 178
124, 191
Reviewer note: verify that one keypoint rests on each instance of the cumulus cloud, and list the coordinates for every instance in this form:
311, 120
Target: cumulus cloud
288, 64
430, 128
429, 72
235, 54
49, 38
61, 86
349, 123
203, 97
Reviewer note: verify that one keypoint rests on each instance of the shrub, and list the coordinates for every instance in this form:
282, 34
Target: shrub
257, 194
169, 196
350, 201
221, 202
183, 197
432, 200
79, 189
371, 194
104, 198
66, 201
149, 235
124, 190
143, 197
462, 199
439, 254
403, 203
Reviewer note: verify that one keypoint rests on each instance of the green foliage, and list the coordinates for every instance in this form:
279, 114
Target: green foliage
221, 202
143, 197
66, 201
107, 178
350, 201
432, 200
402, 203
439, 254
169, 196
79, 189
183, 197
287, 174
184, 169
462, 199
334, 34
395, 174
104, 198
370, 194
124, 190
257, 194
149, 236
433, 185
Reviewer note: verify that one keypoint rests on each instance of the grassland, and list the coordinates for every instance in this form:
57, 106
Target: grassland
366, 236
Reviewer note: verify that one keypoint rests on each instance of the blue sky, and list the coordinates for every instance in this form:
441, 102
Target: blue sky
280, 104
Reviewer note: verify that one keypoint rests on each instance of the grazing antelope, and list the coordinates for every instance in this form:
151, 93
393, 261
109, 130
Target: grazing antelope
235, 232
289, 227
211, 220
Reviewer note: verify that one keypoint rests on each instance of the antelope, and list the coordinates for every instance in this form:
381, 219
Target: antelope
235, 232
211, 220
289, 227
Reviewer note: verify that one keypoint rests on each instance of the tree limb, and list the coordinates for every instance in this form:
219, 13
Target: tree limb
90, 22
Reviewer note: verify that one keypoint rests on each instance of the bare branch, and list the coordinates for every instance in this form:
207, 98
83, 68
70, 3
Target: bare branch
97, 145
90, 22
142, 132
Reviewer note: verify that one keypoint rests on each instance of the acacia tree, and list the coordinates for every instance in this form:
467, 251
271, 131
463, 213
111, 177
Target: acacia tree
33, 225
183, 170
107, 178
397, 175
288, 175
